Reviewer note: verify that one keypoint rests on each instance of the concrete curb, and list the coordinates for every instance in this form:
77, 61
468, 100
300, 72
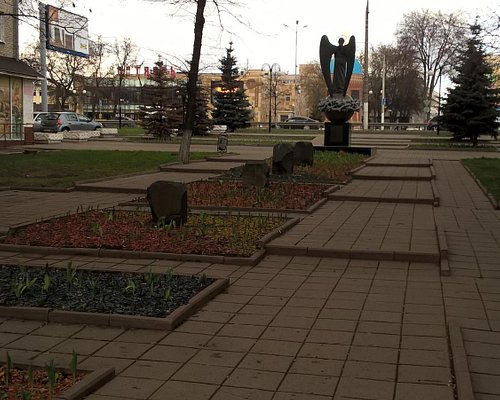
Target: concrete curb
412, 200
119, 320
460, 364
435, 191
291, 250
443, 251
483, 189
88, 384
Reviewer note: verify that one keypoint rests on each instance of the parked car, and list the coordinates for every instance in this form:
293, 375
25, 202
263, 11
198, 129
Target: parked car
432, 124
300, 123
37, 121
67, 121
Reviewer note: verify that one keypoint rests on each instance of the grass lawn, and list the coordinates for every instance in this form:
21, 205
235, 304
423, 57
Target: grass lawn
64, 168
487, 170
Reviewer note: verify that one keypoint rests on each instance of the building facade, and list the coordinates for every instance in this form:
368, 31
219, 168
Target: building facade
16, 81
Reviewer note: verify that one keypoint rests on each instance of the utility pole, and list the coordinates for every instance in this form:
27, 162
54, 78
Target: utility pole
365, 74
382, 106
43, 56
296, 85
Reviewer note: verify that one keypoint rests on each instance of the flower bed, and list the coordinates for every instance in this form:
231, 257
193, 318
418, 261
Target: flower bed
278, 195
227, 235
147, 294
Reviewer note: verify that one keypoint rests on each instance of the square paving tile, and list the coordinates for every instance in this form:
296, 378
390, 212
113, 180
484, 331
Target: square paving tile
202, 373
119, 364
184, 339
131, 388
230, 343
369, 370
184, 391
123, 350
359, 388
58, 330
277, 347
217, 357
314, 366
309, 384
141, 336
232, 393
169, 353
81, 346
160, 370
410, 391
266, 362
251, 378
35, 343
98, 333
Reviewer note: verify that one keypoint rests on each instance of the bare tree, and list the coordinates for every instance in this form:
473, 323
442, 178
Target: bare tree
62, 72
99, 73
403, 85
435, 39
125, 53
313, 88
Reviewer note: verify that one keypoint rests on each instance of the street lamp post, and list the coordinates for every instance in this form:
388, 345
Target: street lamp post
296, 86
273, 69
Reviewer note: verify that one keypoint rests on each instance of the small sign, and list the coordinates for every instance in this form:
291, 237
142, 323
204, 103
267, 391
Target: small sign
222, 142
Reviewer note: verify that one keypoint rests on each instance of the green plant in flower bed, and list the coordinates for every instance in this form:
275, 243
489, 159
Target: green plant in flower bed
278, 195
229, 235
152, 297
331, 165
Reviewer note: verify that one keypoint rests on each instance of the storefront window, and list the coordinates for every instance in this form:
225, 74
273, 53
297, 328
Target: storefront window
11, 108
17, 108
4, 106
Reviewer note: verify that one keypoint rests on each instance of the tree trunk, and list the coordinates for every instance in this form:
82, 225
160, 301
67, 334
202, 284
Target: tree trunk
192, 83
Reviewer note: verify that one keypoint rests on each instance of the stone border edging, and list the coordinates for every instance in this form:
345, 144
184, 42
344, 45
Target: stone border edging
435, 191
217, 259
443, 251
88, 384
411, 200
460, 364
484, 190
354, 254
169, 323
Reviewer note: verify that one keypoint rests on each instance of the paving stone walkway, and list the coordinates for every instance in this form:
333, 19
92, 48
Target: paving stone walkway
312, 326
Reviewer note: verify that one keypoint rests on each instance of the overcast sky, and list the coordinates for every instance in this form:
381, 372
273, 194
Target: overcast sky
260, 36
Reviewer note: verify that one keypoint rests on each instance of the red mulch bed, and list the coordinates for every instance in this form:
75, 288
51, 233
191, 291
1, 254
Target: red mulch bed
229, 235
278, 195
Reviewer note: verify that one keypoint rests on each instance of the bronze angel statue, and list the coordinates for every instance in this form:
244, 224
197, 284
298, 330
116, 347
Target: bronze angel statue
344, 63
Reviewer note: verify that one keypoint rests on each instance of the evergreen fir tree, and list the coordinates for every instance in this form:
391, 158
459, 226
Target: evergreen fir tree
232, 107
470, 108
163, 109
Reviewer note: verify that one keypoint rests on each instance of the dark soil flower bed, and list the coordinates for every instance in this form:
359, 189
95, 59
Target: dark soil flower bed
227, 235
278, 195
146, 294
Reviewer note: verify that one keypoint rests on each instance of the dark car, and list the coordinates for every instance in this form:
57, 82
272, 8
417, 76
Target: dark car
67, 121
432, 124
300, 123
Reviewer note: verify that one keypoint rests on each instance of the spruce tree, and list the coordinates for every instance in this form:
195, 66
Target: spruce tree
470, 108
232, 107
163, 109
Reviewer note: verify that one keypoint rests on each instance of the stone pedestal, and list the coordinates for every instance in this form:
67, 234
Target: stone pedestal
337, 134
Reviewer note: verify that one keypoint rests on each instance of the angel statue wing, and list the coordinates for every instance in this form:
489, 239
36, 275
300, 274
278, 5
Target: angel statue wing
350, 50
344, 64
